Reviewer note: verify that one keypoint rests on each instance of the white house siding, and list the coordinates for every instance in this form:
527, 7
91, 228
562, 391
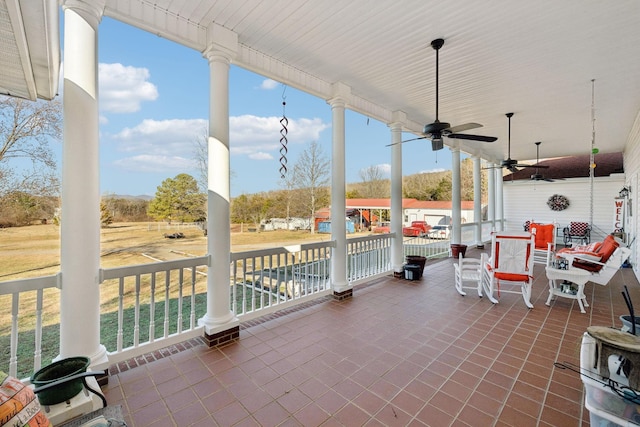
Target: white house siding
433, 216
632, 171
526, 200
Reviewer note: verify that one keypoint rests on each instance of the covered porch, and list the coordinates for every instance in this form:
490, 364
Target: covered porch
398, 353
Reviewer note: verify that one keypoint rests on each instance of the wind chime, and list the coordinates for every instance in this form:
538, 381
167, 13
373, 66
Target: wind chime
284, 122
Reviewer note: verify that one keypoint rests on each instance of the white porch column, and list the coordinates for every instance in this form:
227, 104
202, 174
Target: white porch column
341, 288
397, 215
80, 218
220, 324
500, 199
477, 201
491, 206
456, 217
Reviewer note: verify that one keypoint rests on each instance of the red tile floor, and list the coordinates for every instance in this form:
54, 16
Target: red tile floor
399, 353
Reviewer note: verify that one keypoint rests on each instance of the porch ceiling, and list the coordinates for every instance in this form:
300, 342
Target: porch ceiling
536, 59
29, 48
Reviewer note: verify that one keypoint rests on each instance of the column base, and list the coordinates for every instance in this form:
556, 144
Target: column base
222, 337
103, 380
343, 295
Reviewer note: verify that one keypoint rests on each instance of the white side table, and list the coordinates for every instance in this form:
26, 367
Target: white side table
574, 275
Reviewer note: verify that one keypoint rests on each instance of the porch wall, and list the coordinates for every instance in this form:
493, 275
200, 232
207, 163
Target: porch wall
632, 169
526, 200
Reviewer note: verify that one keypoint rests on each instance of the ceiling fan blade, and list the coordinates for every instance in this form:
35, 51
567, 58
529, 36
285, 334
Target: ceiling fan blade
531, 166
480, 138
464, 127
407, 140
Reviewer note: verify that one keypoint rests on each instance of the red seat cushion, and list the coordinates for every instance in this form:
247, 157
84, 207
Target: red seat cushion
544, 234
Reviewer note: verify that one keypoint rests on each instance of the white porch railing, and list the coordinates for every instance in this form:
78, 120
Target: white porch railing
368, 257
149, 306
26, 298
266, 280
427, 247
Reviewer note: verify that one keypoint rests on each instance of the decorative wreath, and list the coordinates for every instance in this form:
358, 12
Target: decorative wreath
558, 202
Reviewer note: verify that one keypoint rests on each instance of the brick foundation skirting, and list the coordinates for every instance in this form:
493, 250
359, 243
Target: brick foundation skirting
343, 295
223, 337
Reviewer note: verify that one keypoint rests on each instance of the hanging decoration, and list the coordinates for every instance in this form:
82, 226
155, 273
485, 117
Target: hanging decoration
558, 202
594, 150
284, 122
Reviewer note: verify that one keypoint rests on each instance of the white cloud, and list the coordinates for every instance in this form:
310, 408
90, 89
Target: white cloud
163, 137
250, 134
124, 88
432, 170
269, 84
260, 156
155, 163
385, 168
156, 144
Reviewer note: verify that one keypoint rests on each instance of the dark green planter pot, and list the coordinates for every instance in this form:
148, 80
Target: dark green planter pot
58, 370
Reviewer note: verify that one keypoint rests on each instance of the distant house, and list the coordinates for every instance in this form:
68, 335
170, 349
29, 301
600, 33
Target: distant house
433, 212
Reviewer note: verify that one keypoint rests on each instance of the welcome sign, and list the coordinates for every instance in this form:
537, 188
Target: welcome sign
618, 214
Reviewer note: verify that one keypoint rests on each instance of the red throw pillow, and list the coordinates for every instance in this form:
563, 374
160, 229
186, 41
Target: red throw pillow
608, 247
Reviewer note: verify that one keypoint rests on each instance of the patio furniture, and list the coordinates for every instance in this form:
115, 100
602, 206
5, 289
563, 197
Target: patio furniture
511, 264
545, 242
468, 270
596, 262
578, 231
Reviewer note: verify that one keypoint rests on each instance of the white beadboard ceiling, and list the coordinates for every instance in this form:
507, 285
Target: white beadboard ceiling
29, 48
533, 58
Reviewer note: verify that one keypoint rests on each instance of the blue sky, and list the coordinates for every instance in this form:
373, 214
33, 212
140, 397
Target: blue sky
154, 108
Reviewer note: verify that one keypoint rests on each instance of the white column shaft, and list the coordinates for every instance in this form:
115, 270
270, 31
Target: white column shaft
397, 216
477, 200
500, 199
219, 313
338, 194
80, 217
456, 217
491, 206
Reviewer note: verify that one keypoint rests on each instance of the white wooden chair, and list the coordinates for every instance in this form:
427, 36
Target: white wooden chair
468, 270
510, 264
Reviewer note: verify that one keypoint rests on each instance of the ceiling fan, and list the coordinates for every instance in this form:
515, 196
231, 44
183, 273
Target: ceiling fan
513, 164
437, 130
537, 176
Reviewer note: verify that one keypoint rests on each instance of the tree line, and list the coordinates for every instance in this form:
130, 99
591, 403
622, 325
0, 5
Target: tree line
29, 181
